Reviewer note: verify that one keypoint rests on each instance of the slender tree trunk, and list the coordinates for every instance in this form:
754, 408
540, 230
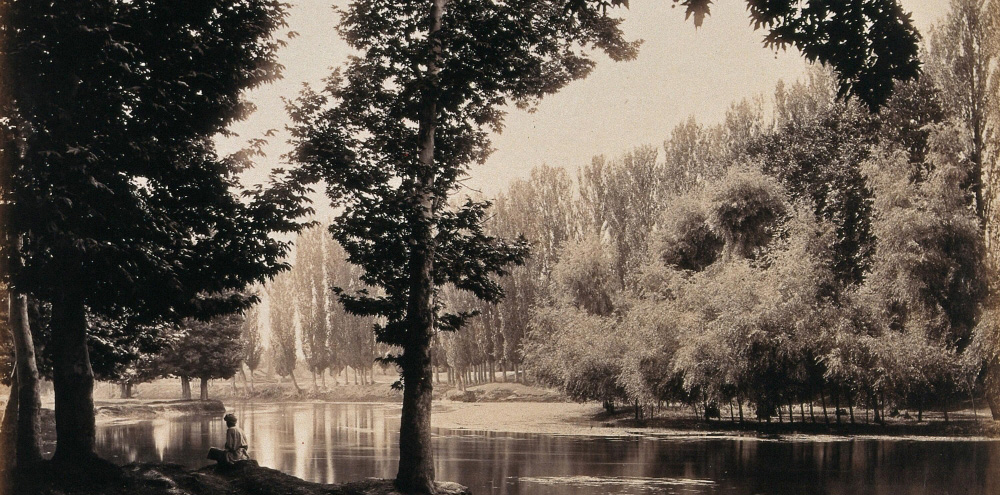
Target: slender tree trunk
295, 382
836, 405
29, 402
204, 389
739, 404
323, 379
73, 379
822, 398
802, 412
186, 388
315, 381
246, 382
416, 463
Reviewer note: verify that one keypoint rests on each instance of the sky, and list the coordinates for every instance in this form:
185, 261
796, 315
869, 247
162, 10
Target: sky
681, 71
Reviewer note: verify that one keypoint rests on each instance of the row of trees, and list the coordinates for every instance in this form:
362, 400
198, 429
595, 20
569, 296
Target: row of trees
822, 255
117, 206
307, 316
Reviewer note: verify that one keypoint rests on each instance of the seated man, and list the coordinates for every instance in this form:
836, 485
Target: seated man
236, 444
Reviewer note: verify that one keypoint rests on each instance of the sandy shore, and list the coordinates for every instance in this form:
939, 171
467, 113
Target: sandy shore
581, 420
555, 418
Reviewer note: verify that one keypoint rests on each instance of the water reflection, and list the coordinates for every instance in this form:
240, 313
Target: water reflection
337, 442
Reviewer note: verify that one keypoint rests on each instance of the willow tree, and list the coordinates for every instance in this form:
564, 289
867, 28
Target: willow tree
395, 129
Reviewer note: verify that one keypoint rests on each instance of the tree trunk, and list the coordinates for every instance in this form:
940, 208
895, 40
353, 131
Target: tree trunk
29, 402
8, 429
73, 380
416, 462
204, 389
186, 388
836, 406
295, 383
246, 383
315, 381
822, 398
994, 403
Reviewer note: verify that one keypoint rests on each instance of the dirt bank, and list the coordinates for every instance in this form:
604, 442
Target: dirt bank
591, 420
136, 409
171, 479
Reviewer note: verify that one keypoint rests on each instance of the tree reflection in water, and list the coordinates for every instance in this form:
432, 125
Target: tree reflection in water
331, 443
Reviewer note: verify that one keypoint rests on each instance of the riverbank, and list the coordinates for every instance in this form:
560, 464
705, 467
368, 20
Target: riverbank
264, 390
591, 420
518, 408
170, 479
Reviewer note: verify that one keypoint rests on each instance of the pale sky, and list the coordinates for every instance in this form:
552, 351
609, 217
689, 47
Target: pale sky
680, 71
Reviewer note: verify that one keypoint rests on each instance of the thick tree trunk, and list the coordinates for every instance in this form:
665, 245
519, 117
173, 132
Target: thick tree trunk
8, 429
993, 399
204, 389
29, 402
186, 388
73, 379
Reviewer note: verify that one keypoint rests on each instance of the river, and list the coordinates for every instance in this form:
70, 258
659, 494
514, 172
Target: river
331, 443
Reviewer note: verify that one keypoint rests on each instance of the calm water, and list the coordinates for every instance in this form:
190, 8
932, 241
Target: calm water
340, 442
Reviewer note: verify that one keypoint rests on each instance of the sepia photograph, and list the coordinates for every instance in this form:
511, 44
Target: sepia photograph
500, 247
